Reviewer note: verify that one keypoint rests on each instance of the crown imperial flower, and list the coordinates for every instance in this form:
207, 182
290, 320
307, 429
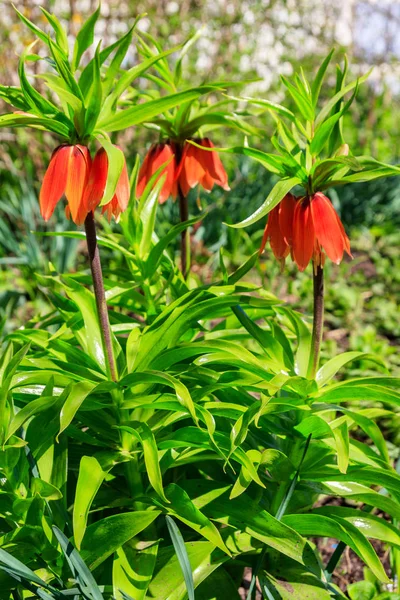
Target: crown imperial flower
309, 228
193, 167
72, 173
67, 174
96, 187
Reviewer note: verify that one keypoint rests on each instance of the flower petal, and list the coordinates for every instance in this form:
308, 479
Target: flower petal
326, 226
78, 175
212, 164
144, 172
96, 184
54, 181
155, 158
191, 169
286, 214
123, 190
303, 234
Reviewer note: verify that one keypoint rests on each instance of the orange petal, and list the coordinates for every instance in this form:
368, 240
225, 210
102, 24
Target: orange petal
303, 234
155, 158
192, 170
286, 214
165, 153
278, 244
77, 178
54, 181
207, 182
212, 164
144, 172
326, 226
123, 191
96, 184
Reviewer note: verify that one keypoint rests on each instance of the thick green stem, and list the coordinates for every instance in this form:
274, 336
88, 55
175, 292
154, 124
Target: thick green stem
185, 235
334, 559
98, 285
318, 322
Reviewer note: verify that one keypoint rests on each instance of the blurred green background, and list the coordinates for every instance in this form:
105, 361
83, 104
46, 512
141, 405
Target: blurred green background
253, 42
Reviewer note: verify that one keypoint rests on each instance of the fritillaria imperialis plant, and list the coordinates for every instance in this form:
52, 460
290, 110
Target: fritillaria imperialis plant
312, 155
86, 112
213, 412
183, 164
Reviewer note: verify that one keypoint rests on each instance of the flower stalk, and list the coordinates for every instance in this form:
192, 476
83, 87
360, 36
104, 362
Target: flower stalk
318, 320
98, 286
185, 235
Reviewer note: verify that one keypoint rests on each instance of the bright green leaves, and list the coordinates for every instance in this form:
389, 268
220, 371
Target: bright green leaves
148, 110
309, 141
89, 96
84, 38
90, 478
280, 190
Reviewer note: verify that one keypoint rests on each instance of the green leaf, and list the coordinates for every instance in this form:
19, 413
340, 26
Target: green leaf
78, 567
301, 99
28, 120
319, 78
133, 570
341, 436
128, 76
156, 252
77, 395
330, 368
145, 436
168, 581
326, 127
93, 101
245, 514
90, 478
278, 192
107, 535
40, 34
43, 106
183, 559
152, 108
362, 590
183, 508
84, 38
18, 568
338, 96
319, 525
370, 525
116, 161
61, 36
64, 69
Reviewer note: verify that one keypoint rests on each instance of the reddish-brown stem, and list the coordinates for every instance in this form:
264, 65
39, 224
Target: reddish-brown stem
318, 321
185, 235
98, 286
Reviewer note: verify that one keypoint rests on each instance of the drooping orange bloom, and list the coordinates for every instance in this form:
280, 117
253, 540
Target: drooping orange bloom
158, 155
307, 227
185, 168
200, 167
279, 227
96, 186
67, 173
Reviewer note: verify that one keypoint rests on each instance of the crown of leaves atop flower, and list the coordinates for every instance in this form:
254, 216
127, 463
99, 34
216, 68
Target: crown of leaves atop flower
82, 102
310, 144
195, 117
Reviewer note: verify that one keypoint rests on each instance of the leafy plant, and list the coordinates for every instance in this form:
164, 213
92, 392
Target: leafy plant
158, 437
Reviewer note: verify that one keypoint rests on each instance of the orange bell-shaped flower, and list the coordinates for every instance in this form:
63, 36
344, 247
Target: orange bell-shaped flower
279, 228
68, 174
200, 167
158, 155
309, 228
97, 184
